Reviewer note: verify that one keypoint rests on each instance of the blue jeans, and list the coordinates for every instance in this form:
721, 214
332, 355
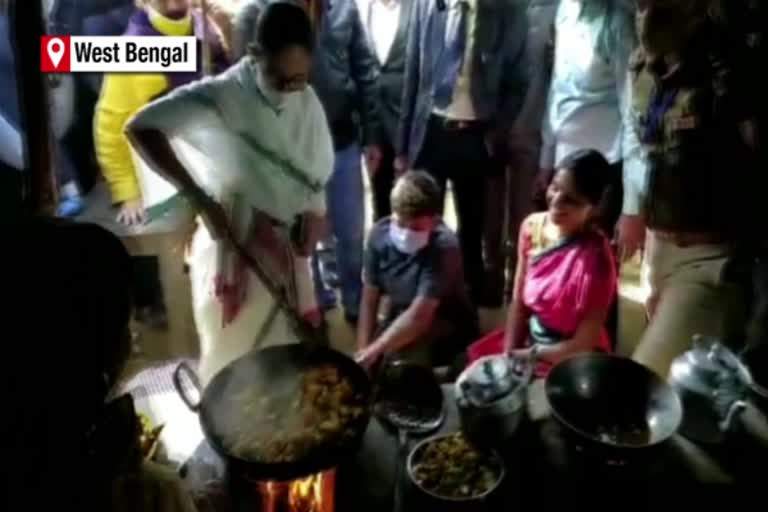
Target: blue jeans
346, 215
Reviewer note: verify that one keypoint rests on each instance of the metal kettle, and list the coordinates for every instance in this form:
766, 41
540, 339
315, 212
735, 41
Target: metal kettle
492, 397
713, 385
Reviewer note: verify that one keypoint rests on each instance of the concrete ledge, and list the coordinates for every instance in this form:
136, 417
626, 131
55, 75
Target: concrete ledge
164, 238
145, 240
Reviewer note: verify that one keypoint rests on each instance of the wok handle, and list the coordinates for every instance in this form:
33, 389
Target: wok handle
183, 370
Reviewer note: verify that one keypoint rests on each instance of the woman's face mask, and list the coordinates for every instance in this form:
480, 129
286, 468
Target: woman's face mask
408, 241
284, 74
276, 98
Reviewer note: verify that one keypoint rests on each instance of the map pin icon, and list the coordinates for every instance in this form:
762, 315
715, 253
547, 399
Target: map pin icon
55, 51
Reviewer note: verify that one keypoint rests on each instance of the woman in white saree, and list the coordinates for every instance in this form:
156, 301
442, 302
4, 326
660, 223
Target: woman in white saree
252, 150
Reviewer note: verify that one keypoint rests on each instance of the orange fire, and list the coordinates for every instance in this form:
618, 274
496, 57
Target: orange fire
312, 494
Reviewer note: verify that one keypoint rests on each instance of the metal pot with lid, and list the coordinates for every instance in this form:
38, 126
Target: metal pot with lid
713, 385
492, 397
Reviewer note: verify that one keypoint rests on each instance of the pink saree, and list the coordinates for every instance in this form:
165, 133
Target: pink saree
561, 284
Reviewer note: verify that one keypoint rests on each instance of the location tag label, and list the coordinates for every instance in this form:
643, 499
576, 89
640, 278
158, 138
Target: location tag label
55, 51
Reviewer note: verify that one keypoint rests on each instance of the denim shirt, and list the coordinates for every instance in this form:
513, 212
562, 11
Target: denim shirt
589, 97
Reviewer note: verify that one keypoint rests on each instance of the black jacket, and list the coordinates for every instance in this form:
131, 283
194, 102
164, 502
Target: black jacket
344, 68
391, 75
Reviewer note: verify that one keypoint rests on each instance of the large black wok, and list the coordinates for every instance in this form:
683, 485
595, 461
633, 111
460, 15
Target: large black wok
267, 368
612, 403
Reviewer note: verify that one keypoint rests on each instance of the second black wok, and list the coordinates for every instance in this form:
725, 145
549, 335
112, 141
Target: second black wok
613, 402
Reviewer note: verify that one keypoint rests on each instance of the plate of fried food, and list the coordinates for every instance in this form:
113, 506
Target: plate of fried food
449, 468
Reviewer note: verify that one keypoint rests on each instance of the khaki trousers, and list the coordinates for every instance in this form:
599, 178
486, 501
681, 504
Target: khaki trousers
691, 293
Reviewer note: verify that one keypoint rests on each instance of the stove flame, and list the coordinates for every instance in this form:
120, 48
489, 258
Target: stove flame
306, 495
314, 493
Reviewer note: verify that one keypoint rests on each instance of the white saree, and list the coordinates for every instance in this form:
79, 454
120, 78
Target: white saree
248, 154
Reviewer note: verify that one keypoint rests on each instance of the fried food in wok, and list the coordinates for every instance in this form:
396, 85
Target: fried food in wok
283, 426
450, 467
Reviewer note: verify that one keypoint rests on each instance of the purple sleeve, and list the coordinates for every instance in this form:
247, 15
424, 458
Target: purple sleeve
219, 57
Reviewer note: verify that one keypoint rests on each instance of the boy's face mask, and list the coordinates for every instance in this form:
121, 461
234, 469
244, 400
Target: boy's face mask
407, 241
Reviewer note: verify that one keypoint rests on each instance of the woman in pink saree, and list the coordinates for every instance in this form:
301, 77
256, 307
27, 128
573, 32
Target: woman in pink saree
566, 272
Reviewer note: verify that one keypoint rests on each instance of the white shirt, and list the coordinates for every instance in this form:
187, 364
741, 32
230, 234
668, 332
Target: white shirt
461, 107
381, 19
590, 97
226, 124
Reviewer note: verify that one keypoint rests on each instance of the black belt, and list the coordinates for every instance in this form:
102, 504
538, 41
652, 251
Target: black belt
456, 125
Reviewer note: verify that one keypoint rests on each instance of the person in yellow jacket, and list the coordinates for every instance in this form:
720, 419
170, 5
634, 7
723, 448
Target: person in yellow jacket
123, 94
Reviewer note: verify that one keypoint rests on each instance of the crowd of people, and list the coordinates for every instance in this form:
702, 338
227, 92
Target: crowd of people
436, 93
631, 126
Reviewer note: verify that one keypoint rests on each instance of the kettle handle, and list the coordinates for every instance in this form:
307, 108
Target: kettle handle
734, 411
